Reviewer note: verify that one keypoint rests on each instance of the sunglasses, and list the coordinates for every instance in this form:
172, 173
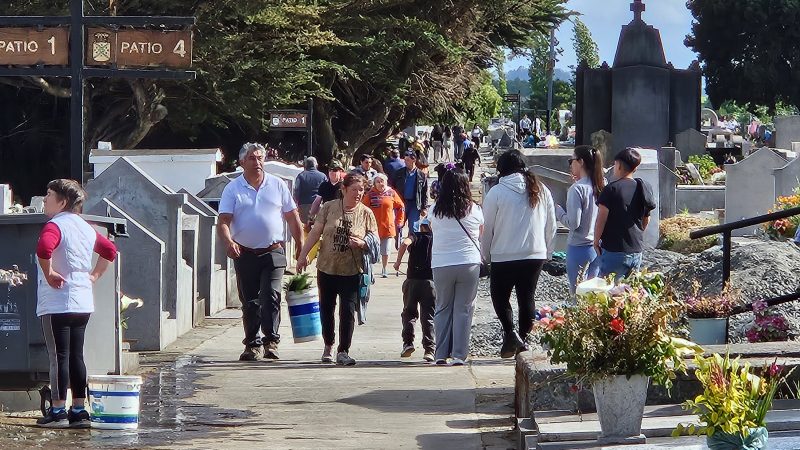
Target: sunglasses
571, 160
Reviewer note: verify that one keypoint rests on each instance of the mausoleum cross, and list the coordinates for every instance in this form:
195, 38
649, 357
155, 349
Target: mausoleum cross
638, 7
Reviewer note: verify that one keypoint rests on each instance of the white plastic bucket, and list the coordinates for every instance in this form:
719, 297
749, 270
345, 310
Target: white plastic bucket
304, 314
114, 401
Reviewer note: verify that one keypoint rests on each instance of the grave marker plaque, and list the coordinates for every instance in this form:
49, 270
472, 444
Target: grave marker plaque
29, 46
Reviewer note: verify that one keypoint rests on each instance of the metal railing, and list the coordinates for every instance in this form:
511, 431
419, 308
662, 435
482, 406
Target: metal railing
726, 229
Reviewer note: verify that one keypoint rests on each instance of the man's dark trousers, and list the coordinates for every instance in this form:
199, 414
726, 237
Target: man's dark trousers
419, 301
259, 280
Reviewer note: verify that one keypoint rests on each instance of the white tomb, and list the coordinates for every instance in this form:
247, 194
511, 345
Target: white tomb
6, 199
175, 168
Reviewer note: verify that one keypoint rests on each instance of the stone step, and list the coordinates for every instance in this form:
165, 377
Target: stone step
564, 430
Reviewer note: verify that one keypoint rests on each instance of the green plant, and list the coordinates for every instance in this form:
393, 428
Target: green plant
298, 283
619, 329
784, 228
711, 306
734, 400
705, 165
674, 234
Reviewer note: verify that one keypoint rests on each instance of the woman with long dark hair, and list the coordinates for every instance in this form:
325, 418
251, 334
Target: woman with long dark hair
518, 239
586, 166
456, 223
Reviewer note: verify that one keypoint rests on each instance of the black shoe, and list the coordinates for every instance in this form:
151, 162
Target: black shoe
271, 350
512, 344
78, 419
54, 420
251, 354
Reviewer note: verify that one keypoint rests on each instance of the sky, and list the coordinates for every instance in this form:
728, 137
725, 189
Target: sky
605, 19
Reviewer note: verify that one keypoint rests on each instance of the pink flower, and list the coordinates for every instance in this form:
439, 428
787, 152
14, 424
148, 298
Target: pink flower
614, 312
759, 306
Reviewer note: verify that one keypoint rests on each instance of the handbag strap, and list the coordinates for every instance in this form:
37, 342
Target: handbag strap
352, 253
471, 239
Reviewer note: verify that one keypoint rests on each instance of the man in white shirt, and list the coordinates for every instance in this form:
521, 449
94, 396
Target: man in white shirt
525, 125
251, 216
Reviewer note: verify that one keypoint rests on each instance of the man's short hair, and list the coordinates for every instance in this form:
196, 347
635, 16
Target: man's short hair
365, 157
310, 163
629, 158
249, 148
395, 153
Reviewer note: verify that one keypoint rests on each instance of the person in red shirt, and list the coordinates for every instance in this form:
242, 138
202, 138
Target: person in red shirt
65, 299
389, 212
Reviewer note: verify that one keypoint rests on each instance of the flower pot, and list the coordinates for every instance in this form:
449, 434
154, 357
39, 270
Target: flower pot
620, 405
304, 315
708, 331
756, 440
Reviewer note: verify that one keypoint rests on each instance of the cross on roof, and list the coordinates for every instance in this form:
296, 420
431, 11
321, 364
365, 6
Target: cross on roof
638, 7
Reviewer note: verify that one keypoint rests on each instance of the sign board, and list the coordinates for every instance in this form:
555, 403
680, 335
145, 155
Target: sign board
30, 47
139, 48
288, 120
511, 97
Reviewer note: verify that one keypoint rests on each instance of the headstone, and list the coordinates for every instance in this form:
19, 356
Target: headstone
177, 169
787, 178
648, 171
787, 130
6, 199
750, 187
695, 174
709, 118
603, 141
159, 211
691, 143
149, 327
557, 182
667, 180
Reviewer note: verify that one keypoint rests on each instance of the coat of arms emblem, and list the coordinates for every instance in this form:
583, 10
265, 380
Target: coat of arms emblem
101, 48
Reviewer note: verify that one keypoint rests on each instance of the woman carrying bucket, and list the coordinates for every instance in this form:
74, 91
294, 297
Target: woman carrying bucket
343, 225
65, 300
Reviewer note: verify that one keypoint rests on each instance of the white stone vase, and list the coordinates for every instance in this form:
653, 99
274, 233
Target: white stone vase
620, 405
712, 331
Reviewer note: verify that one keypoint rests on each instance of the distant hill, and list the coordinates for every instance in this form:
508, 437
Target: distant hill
521, 73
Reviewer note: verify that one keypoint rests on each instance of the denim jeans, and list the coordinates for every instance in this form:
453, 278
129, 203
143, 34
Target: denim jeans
619, 263
581, 260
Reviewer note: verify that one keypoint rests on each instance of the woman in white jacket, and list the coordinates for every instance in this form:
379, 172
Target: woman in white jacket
520, 224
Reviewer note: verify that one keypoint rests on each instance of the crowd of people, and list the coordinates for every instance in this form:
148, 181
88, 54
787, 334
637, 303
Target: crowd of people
354, 219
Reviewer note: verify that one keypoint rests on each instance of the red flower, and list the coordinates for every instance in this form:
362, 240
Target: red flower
618, 325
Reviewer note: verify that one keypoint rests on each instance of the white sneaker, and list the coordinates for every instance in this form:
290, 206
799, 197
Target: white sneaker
457, 362
327, 354
343, 359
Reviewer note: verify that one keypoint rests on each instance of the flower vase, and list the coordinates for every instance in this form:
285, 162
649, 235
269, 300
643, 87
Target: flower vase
756, 440
620, 404
713, 331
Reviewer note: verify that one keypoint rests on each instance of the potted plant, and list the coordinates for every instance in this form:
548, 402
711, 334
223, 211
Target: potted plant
767, 326
708, 315
303, 302
618, 337
733, 407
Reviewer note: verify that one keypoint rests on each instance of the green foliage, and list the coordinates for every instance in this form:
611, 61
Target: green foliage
748, 49
298, 283
619, 329
705, 165
483, 103
539, 73
734, 400
585, 47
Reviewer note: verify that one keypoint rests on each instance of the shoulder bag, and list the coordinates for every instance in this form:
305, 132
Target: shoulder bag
364, 278
486, 269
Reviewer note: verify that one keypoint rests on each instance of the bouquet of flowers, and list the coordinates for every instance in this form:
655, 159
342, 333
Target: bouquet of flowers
784, 228
13, 277
618, 329
733, 406
768, 326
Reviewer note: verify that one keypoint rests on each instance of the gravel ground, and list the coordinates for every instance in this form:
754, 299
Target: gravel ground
760, 269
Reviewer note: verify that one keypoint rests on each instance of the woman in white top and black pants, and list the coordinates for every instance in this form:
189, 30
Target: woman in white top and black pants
517, 239
65, 300
456, 263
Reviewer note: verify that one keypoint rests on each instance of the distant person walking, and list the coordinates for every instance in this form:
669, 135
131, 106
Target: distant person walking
470, 157
393, 163
389, 213
419, 293
251, 224
456, 224
580, 215
437, 142
64, 297
412, 184
365, 169
328, 190
306, 187
459, 136
343, 226
622, 217
477, 135
517, 240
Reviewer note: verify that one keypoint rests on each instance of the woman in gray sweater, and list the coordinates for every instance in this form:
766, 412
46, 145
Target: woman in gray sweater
586, 166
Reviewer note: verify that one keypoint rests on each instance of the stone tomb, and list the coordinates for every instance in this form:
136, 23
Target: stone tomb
169, 217
691, 143
175, 168
787, 178
787, 130
750, 187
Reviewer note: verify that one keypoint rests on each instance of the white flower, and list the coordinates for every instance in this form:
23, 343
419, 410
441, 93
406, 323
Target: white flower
598, 285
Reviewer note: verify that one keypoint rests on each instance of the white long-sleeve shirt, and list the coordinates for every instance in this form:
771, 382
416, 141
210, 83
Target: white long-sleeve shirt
513, 230
581, 213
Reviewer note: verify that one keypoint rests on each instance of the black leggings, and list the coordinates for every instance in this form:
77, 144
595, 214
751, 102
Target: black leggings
521, 275
63, 335
346, 287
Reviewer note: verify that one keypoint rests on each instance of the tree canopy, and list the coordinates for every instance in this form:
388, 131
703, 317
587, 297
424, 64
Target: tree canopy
585, 47
748, 50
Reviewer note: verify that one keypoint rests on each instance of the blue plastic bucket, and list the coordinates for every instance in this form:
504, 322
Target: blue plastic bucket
304, 314
114, 401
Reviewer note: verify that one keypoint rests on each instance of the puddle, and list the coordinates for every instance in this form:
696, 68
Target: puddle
166, 416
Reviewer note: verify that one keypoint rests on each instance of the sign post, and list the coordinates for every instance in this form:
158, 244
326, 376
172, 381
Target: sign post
52, 46
295, 120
